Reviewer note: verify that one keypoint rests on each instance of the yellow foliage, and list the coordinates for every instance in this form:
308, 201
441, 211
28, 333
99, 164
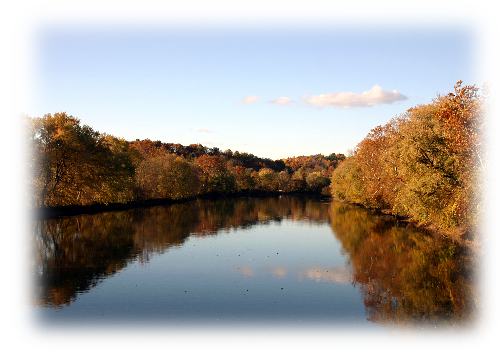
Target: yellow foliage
426, 164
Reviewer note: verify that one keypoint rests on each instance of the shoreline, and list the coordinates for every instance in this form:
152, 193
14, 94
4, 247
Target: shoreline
467, 238
44, 213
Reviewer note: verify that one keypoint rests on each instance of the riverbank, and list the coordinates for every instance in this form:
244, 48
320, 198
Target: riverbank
43, 213
468, 238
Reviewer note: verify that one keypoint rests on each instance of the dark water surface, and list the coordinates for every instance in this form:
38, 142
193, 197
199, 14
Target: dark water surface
289, 260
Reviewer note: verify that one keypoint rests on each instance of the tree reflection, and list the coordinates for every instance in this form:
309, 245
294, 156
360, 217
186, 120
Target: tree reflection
72, 254
406, 276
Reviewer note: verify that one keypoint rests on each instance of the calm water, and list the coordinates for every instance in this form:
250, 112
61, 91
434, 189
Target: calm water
291, 261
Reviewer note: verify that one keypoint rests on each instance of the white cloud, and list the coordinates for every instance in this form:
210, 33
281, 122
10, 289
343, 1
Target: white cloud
282, 101
203, 131
349, 100
248, 100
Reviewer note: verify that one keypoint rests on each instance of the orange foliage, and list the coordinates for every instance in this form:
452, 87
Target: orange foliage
462, 114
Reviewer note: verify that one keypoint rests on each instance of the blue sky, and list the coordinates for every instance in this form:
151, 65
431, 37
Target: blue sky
195, 85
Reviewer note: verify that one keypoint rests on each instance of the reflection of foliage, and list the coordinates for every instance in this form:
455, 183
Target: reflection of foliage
406, 277
73, 253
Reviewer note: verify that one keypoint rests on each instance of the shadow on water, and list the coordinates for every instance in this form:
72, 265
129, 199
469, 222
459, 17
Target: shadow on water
406, 277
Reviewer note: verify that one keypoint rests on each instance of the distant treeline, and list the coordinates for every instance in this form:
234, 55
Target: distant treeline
73, 165
427, 164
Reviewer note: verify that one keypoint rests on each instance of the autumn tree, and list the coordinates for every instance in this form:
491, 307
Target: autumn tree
463, 114
185, 180
243, 178
316, 181
426, 164
278, 165
346, 183
426, 169
314, 162
215, 176
73, 164
166, 176
335, 159
298, 180
151, 177
26, 157
267, 180
371, 155
120, 177
284, 181
146, 148
195, 150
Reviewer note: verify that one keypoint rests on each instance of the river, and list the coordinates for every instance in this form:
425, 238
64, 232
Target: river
275, 261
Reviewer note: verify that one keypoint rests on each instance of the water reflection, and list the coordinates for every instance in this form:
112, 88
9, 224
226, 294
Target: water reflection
340, 274
72, 254
405, 277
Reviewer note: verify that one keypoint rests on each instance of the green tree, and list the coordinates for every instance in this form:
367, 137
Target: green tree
346, 182
185, 180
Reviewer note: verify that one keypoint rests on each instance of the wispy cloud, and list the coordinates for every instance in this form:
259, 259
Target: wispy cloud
344, 100
203, 130
350, 100
248, 100
282, 101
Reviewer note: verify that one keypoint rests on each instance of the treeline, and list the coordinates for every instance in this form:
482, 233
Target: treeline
426, 164
72, 164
